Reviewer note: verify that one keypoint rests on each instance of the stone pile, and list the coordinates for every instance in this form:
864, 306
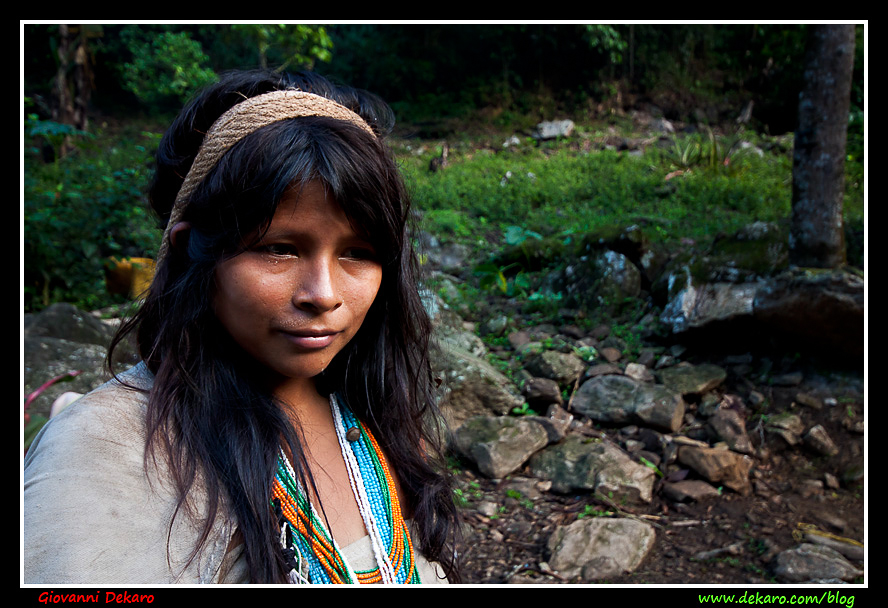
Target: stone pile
622, 432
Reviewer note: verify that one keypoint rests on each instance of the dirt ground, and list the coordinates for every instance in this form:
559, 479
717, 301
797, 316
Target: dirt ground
742, 533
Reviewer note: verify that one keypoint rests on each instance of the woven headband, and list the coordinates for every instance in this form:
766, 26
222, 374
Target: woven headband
243, 119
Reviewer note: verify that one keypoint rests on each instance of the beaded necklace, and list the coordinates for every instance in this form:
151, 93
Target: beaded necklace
310, 549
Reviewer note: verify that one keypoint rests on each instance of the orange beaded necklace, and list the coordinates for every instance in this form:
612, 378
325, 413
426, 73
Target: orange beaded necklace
311, 550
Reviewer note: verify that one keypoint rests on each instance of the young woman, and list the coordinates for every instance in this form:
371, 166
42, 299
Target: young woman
282, 425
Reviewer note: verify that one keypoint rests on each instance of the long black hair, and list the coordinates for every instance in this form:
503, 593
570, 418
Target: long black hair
209, 415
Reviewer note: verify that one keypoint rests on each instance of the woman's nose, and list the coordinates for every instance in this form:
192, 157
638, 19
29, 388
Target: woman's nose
317, 291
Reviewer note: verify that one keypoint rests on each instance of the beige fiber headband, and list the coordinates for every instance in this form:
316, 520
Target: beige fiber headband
243, 119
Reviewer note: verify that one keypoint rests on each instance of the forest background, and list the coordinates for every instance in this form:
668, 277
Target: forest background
97, 98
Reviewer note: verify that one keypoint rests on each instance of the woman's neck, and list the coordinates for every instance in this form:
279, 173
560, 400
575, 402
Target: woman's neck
310, 413
302, 402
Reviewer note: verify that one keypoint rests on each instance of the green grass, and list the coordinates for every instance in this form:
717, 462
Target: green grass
563, 191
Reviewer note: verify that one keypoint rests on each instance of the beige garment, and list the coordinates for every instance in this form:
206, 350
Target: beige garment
93, 514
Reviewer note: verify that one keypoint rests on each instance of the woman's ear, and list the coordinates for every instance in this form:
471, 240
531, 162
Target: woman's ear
179, 235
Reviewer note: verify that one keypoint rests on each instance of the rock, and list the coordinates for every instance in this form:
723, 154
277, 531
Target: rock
808, 562
647, 358
811, 487
541, 392
620, 400
565, 464
719, 466
609, 399
556, 428
471, 386
495, 326
553, 129
610, 546
689, 490
729, 426
67, 322
556, 412
787, 425
633, 446
581, 464
601, 567
61, 339
661, 409
823, 307
499, 445
745, 277
47, 357
695, 306
605, 281
849, 548
819, 440
809, 400
448, 327
487, 508
526, 486
639, 372
518, 338
601, 369
692, 379
664, 361
788, 379
449, 257
610, 354
563, 368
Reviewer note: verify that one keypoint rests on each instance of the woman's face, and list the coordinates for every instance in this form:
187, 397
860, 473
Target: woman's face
294, 300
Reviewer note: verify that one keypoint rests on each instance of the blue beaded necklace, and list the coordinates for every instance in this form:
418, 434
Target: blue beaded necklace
309, 547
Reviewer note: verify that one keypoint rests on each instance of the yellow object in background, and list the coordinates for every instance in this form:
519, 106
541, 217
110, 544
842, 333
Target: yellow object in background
130, 276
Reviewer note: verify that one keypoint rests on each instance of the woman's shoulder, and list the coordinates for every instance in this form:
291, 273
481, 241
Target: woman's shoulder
113, 413
93, 511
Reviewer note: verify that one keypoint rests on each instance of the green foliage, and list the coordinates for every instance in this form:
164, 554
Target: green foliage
607, 40
524, 501
285, 46
54, 133
545, 302
447, 222
80, 210
524, 410
494, 277
463, 497
707, 152
166, 67
630, 337
593, 511
517, 235
651, 466
685, 153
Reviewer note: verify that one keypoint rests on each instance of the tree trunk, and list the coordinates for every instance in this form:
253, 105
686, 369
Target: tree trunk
818, 174
73, 82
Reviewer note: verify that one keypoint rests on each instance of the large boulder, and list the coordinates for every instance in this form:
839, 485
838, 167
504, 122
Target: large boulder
499, 445
578, 464
61, 339
599, 548
616, 399
743, 282
470, 385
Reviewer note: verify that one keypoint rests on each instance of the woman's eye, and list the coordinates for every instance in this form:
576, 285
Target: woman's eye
359, 253
279, 249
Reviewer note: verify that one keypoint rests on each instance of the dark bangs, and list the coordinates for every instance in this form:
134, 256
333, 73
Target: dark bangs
236, 202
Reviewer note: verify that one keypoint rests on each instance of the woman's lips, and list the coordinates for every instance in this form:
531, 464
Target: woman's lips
311, 339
